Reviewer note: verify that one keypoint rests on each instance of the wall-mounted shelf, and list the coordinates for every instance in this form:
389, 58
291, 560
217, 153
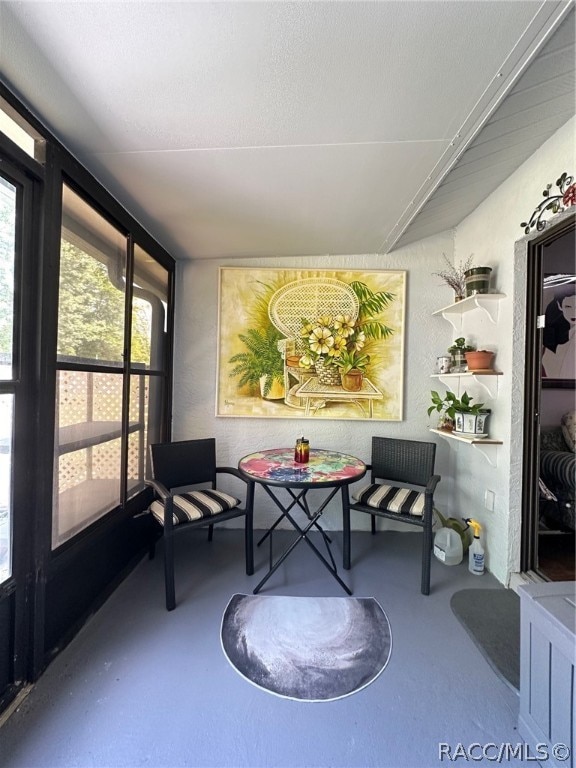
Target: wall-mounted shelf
487, 447
488, 302
488, 379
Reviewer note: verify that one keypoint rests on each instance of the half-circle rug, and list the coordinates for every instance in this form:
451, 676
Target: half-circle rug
306, 648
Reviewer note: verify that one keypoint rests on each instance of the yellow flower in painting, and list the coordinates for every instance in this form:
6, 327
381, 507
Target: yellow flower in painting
306, 361
334, 353
321, 340
325, 321
307, 329
344, 325
339, 344
359, 341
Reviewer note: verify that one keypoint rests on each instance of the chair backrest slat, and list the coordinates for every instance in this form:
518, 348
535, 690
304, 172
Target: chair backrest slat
185, 462
405, 461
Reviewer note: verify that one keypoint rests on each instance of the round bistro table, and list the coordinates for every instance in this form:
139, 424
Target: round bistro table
276, 468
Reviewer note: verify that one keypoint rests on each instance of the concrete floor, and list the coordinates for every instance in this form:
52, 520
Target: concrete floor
143, 687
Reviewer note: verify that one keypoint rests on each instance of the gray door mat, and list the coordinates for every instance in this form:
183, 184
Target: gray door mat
492, 619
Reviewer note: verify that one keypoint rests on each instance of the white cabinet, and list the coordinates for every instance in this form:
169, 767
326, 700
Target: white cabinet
547, 694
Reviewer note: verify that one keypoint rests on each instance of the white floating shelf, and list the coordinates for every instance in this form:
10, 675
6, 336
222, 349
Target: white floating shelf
486, 301
487, 447
485, 378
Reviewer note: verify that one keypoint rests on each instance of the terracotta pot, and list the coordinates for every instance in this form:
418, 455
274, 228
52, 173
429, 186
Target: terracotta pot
480, 360
292, 361
352, 380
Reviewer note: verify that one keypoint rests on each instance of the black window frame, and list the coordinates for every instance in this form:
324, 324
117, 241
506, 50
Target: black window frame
56, 602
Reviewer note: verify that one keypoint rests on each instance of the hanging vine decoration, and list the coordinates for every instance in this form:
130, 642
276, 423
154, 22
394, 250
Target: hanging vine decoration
554, 203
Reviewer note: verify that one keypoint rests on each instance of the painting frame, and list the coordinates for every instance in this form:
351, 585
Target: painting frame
555, 373
320, 322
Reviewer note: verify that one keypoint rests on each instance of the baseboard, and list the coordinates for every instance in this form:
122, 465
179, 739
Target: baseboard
14, 704
516, 580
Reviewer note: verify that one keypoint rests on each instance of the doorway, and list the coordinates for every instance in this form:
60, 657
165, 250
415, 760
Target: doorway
548, 522
17, 495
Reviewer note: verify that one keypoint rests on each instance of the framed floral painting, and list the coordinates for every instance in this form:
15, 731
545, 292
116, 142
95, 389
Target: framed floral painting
319, 344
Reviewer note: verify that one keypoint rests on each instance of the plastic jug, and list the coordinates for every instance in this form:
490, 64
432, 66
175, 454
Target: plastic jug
463, 530
448, 546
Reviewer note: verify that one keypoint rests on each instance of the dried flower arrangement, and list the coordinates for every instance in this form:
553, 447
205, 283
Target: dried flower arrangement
454, 275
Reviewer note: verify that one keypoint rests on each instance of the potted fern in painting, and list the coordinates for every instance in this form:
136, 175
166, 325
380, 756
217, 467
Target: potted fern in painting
261, 366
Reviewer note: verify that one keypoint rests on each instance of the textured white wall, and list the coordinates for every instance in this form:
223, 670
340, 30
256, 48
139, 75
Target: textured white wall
491, 232
196, 352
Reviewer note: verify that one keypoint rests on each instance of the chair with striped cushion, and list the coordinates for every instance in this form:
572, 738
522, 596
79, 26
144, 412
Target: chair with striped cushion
184, 479
402, 484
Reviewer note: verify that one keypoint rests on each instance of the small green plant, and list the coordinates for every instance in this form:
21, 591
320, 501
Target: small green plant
352, 359
459, 345
263, 358
450, 403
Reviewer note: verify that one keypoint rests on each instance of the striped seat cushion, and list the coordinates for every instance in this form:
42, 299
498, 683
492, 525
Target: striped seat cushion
558, 469
196, 505
389, 498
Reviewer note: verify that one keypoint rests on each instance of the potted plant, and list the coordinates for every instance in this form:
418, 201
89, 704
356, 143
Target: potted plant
455, 276
479, 360
477, 280
445, 407
458, 352
467, 418
326, 338
262, 365
352, 365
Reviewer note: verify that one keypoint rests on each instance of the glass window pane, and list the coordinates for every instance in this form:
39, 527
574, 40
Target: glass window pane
145, 424
148, 311
88, 450
7, 258
6, 429
92, 286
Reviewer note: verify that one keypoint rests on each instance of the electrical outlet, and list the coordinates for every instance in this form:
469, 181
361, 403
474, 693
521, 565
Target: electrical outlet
489, 500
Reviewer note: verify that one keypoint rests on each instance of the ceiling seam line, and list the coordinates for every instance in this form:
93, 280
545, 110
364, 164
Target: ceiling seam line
271, 146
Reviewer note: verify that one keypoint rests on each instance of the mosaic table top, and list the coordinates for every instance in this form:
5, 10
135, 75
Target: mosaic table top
277, 466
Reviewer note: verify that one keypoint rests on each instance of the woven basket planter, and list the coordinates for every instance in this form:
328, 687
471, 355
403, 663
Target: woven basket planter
327, 374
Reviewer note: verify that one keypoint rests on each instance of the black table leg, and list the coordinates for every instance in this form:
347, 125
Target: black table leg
303, 536
346, 528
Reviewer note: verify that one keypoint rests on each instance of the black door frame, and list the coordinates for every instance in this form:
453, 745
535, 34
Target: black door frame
533, 386
20, 588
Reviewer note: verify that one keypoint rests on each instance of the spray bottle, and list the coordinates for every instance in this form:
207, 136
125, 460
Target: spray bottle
476, 551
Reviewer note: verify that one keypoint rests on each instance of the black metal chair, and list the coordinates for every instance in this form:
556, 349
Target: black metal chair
401, 488
178, 469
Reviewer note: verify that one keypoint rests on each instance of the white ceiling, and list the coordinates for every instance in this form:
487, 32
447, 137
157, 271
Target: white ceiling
287, 128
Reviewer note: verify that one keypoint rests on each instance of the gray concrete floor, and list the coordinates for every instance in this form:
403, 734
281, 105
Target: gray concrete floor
143, 687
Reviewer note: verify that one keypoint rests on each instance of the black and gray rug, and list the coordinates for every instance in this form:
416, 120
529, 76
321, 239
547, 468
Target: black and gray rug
307, 648
492, 619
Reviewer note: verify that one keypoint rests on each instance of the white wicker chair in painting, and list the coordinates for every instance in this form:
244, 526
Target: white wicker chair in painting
308, 298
